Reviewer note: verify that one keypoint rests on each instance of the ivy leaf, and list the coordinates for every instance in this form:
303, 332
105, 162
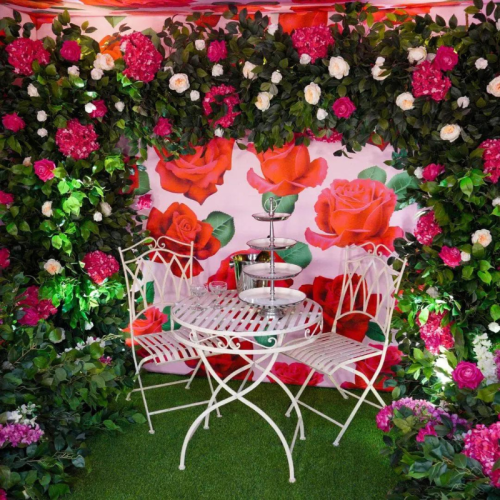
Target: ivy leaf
299, 254
223, 226
374, 173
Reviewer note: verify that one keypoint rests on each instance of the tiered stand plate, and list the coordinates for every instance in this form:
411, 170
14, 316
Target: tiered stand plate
283, 297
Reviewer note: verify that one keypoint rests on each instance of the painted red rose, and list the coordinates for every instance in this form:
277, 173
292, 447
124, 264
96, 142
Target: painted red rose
197, 176
180, 223
151, 323
295, 373
287, 170
354, 213
296, 20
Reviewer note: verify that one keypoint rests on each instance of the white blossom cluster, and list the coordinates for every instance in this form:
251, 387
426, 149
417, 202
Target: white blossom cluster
485, 358
25, 414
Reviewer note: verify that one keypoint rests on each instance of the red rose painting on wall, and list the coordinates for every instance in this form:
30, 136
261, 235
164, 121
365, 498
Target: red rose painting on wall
151, 323
180, 223
287, 170
294, 373
197, 176
354, 213
307, 19
326, 292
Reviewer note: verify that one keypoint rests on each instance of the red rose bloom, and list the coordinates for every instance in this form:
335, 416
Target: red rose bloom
23, 51
142, 59
313, 41
152, 323
163, 127
71, 51
13, 122
446, 58
295, 373
428, 81
343, 107
217, 51
432, 171
4, 258
100, 109
450, 256
77, 140
6, 198
100, 266
44, 169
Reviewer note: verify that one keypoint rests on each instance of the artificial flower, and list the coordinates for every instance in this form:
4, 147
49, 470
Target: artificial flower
313, 41
141, 57
377, 73
482, 237
405, 101
13, 122
338, 67
312, 93
463, 102
272, 29
96, 74
163, 127
105, 208
493, 87
467, 375
494, 327
427, 228
194, 95
6, 198
450, 132
417, 54
199, 44
263, 101
23, 51
44, 169
419, 173
53, 266
71, 51
481, 63
431, 172
104, 62
100, 266
179, 82
42, 132
97, 216
217, 51
428, 81
4, 258
321, 114
77, 140
465, 256
305, 59
74, 71
33, 91
276, 77
47, 209
496, 201
450, 256
41, 116
119, 106
247, 70
343, 107
217, 70
446, 58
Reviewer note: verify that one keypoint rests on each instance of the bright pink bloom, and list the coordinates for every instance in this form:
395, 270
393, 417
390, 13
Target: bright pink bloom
4, 258
29, 297
34, 309
428, 81
3, 495
144, 202
23, 51
314, 41
100, 266
491, 157
13, 122
44, 169
427, 228
333, 137
231, 100
71, 51
100, 109
450, 256
163, 127
6, 198
446, 58
434, 334
343, 107
19, 434
428, 430
432, 171
217, 51
77, 140
107, 360
141, 57
467, 375
30, 318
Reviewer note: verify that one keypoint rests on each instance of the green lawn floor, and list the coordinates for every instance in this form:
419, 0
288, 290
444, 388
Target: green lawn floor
240, 456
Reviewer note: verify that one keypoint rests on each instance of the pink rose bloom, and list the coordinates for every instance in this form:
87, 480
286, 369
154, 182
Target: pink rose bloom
6, 198
343, 107
432, 171
144, 202
427, 228
217, 51
434, 334
13, 122
428, 81
71, 51
100, 266
446, 58
44, 169
163, 127
100, 109
450, 256
30, 318
467, 375
428, 430
4, 258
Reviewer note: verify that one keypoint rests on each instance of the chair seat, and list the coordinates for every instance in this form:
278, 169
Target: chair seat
330, 350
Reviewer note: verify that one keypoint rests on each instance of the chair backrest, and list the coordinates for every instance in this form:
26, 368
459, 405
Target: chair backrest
371, 280
158, 272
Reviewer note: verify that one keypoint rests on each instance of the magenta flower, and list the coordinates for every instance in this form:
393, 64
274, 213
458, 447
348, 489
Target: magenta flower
427, 228
100, 266
446, 58
434, 334
314, 41
217, 51
4, 258
100, 109
343, 107
71, 51
77, 140
19, 434
428, 430
23, 51
450, 256
432, 171
13, 122
467, 375
6, 198
141, 57
144, 202
428, 81
491, 157
163, 127
44, 169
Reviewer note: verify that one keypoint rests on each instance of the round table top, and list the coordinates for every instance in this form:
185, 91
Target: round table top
236, 317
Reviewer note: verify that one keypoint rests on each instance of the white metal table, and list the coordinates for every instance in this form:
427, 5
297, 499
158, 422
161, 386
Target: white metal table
221, 331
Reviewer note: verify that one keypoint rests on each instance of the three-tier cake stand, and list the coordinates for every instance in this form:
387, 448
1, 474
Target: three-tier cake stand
273, 299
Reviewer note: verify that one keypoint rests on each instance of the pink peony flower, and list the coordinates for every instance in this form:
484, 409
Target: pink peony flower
217, 51
100, 266
428, 430
44, 169
71, 51
313, 41
163, 127
6, 198
23, 51
13, 122
428, 81
141, 57
446, 58
434, 335
4, 258
230, 101
467, 375
77, 140
491, 157
450, 256
432, 171
144, 202
100, 109
343, 107
427, 228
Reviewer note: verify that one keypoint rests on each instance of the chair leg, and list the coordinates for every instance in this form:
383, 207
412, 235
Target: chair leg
195, 371
151, 430
206, 426
297, 397
337, 386
245, 380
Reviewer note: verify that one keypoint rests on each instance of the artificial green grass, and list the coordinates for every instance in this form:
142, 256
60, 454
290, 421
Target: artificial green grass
240, 456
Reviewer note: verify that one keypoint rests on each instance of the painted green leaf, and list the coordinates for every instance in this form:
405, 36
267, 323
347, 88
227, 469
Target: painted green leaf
115, 20
300, 254
150, 293
286, 204
375, 332
400, 184
223, 226
144, 186
374, 173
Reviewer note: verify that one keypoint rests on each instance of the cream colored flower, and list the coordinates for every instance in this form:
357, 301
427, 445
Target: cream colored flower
338, 67
52, 266
89, 107
312, 93
96, 74
194, 95
321, 114
219, 132
42, 132
405, 101
106, 208
305, 59
98, 217
247, 71
419, 173
482, 236
41, 116
33, 91
377, 71
450, 132
494, 327
179, 82
380, 61
496, 201
27, 161
465, 256
431, 57
276, 77
217, 70
481, 63
200, 44
263, 101
104, 62
493, 87
417, 54
463, 102
120, 106
74, 71
47, 209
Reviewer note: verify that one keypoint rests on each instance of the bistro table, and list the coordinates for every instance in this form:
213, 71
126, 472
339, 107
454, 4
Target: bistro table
221, 327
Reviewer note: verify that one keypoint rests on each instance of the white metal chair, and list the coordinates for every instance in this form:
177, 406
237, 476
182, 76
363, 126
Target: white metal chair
167, 266
369, 288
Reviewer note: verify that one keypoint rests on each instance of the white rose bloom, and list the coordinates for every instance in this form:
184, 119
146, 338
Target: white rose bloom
42, 132
305, 59
120, 106
263, 101
405, 101
219, 132
338, 67
74, 71
380, 61
179, 82
106, 208
377, 71
312, 93
465, 256
96, 74
272, 29
463, 102
27, 161
104, 62
321, 114
98, 217
494, 327
89, 107
417, 54
41, 116
450, 132
496, 202
52, 266
419, 173
481, 63
431, 57
276, 77
482, 236
194, 95
493, 87
217, 70
47, 209
247, 70
33, 91
200, 44
432, 292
